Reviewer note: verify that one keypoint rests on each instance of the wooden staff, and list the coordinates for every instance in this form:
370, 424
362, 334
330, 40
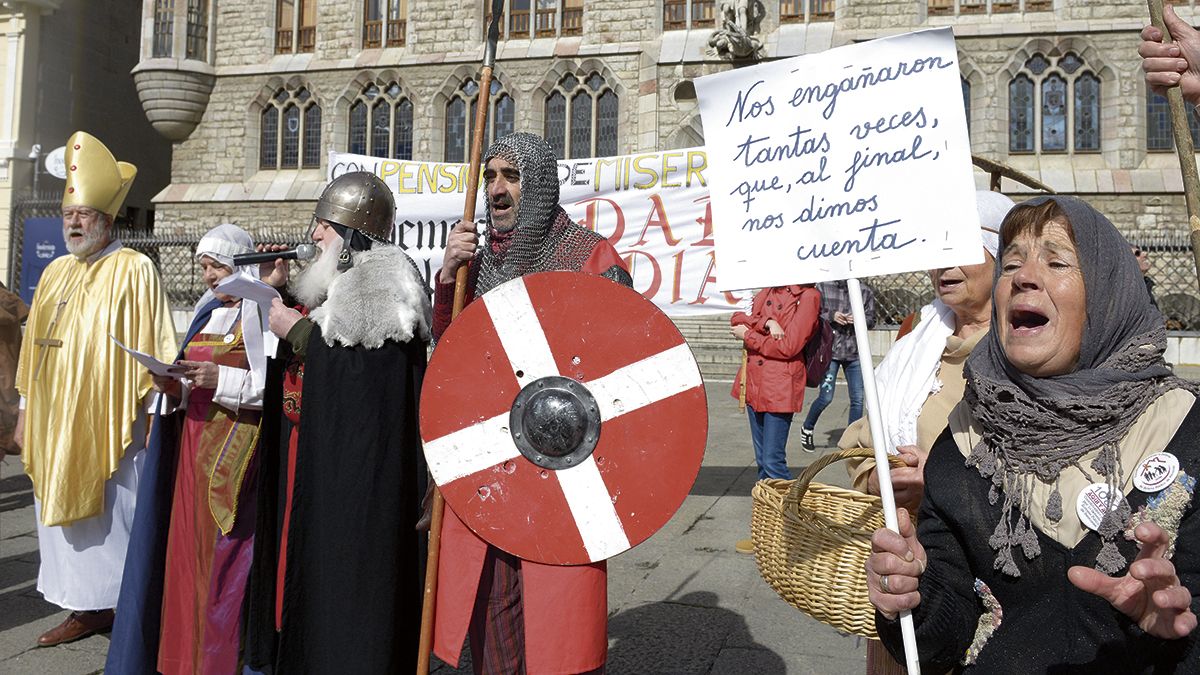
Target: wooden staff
1183, 143
483, 102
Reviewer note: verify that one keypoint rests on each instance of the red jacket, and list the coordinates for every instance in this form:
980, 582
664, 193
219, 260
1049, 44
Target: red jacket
776, 374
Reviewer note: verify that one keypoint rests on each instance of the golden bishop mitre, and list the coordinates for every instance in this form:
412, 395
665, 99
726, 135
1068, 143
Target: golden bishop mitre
94, 177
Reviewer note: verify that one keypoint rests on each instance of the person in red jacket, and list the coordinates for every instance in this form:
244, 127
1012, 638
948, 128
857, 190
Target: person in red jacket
780, 322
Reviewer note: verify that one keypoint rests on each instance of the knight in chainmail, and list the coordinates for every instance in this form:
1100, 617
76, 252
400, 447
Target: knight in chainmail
497, 596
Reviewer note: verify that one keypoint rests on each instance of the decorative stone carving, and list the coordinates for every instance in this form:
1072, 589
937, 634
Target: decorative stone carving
740, 20
174, 94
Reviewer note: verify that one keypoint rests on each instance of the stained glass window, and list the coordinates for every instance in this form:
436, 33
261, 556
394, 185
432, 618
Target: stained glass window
460, 117
1087, 113
268, 148
1070, 63
581, 117
1054, 114
381, 128
312, 137
1037, 64
1054, 106
290, 147
581, 125
358, 128
606, 124
1020, 114
402, 130
1159, 135
456, 131
555, 127
390, 119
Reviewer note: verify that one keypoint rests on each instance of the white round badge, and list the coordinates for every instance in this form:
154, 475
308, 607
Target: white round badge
1156, 472
229, 339
1091, 505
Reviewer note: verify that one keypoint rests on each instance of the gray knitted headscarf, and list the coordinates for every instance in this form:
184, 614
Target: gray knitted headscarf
1033, 428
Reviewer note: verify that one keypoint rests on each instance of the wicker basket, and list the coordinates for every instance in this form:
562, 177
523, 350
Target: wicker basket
811, 542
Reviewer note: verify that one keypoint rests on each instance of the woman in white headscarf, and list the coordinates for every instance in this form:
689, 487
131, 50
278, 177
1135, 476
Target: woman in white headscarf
921, 379
185, 575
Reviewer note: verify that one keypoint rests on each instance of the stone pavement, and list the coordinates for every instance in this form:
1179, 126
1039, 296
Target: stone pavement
682, 602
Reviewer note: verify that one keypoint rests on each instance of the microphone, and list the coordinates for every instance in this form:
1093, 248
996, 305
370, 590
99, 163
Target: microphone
301, 252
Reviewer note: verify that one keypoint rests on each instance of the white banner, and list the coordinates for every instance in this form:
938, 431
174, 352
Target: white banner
853, 162
653, 207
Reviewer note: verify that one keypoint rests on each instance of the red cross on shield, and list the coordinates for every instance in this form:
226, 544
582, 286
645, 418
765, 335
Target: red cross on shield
564, 418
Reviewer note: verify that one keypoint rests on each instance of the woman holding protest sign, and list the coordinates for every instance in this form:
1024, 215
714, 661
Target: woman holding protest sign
921, 378
1075, 449
780, 323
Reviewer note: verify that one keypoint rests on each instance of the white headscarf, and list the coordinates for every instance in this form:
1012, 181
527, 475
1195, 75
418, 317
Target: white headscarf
908, 374
222, 243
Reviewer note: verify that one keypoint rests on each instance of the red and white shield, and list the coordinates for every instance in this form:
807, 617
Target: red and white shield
618, 359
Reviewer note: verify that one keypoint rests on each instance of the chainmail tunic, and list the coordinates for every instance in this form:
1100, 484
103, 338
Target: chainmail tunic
544, 239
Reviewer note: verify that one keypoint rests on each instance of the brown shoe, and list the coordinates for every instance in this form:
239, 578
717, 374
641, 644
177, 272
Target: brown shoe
76, 626
744, 546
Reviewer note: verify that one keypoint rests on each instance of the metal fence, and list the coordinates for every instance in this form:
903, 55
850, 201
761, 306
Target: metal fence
176, 260
896, 296
1171, 267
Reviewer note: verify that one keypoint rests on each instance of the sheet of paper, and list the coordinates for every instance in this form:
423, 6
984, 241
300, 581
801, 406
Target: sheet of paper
152, 364
242, 286
853, 162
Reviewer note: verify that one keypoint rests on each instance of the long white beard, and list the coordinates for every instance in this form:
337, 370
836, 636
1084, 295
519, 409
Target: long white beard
311, 285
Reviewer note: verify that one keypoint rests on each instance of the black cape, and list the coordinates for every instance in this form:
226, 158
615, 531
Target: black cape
352, 598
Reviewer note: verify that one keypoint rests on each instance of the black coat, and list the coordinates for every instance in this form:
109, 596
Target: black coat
1049, 625
352, 599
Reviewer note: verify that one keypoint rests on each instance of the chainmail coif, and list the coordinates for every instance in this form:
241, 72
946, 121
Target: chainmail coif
544, 238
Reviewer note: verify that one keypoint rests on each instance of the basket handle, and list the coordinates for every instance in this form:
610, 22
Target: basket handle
800, 485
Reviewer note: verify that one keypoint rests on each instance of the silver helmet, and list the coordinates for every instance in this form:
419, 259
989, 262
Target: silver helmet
361, 201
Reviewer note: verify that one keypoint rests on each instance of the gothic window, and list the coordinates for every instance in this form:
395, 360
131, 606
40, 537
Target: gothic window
460, 119
958, 7
681, 14
385, 23
800, 11
295, 26
290, 131
1158, 124
1054, 106
381, 122
581, 117
164, 29
1020, 114
527, 19
197, 30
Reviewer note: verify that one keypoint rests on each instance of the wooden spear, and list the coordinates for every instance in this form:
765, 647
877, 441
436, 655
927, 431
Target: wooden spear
1183, 143
482, 103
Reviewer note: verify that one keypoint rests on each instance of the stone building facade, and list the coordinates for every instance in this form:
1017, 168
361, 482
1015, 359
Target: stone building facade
210, 96
64, 66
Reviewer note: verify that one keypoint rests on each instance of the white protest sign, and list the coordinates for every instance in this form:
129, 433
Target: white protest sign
652, 207
852, 162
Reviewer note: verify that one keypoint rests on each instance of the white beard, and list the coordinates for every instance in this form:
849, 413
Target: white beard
89, 244
311, 285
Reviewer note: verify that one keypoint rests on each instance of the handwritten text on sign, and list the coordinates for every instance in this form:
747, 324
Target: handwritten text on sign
653, 207
853, 162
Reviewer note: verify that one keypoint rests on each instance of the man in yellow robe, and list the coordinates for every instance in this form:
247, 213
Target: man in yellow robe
82, 423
